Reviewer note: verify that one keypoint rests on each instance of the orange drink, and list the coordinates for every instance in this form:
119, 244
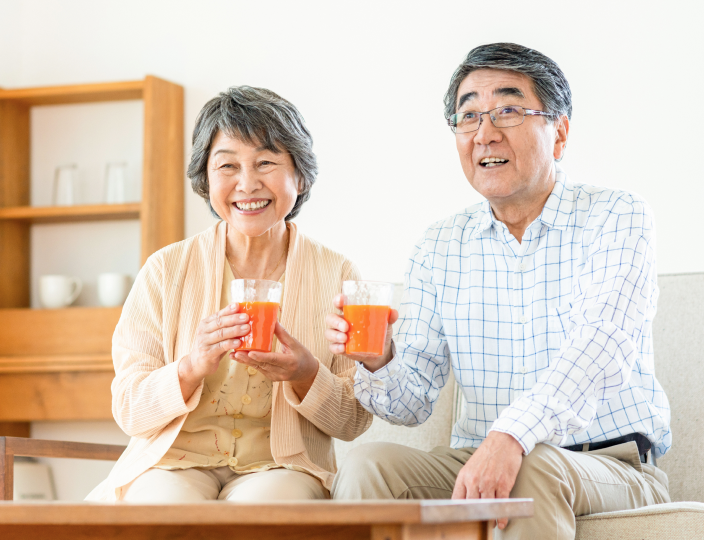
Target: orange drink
262, 318
367, 333
260, 299
366, 309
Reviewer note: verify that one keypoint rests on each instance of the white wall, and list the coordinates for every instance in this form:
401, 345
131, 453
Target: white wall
369, 77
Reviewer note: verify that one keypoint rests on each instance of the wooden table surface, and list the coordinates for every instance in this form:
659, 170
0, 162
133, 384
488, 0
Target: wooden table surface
222, 520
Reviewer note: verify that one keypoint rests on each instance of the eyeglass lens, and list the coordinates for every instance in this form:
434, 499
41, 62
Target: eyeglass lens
506, 116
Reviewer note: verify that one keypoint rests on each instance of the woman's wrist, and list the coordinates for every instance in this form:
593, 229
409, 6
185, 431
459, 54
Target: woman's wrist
188, 380
302, 386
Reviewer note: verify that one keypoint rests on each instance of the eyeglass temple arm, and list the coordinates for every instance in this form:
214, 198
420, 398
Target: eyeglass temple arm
533, 112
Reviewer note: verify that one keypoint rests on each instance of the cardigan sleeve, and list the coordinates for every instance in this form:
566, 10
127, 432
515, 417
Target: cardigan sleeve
330, 404
146, 392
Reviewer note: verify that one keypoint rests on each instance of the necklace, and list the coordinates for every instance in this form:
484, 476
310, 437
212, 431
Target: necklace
238, 274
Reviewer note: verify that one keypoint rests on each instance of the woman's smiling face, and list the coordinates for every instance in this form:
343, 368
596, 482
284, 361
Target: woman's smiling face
251, 188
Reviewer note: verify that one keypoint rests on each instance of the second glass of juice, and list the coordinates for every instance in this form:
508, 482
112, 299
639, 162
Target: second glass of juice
260, 299
366, 310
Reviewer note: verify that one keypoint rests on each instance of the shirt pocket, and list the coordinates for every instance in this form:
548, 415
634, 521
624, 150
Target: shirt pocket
559, 326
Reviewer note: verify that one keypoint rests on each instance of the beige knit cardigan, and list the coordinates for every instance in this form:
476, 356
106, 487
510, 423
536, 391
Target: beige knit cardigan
179, 286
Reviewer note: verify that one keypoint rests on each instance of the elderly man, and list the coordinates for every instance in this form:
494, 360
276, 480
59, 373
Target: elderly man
541, 300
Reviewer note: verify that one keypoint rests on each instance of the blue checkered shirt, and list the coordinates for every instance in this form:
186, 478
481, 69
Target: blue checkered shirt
550, 339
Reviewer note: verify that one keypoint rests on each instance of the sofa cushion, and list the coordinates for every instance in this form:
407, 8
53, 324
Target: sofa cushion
678, 339
674, 521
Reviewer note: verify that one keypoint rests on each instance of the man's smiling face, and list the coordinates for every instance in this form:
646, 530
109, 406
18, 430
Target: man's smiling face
507, 164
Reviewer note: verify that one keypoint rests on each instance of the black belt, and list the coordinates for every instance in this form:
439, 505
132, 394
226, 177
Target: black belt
641, 440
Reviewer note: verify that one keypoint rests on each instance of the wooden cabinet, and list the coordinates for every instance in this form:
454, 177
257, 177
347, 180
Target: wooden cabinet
56, 364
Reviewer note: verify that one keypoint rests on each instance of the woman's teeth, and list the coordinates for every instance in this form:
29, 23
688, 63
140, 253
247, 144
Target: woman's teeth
252, 205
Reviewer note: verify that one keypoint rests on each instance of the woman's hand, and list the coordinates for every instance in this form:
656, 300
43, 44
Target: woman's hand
215, 336
295, 364
337, 336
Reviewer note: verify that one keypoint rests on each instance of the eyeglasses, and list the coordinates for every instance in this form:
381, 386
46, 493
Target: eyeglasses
502, 117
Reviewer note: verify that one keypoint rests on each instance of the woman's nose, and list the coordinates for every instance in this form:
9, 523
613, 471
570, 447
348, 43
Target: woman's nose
248, 181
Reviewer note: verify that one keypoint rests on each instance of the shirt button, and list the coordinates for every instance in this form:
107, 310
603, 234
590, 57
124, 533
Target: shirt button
233, 461
251, 370
238, 416
246, 399
236, 433
522, 267
523, 319
523, 370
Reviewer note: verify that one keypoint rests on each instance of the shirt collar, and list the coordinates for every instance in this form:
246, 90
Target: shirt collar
556, 212
560, 204
486, 221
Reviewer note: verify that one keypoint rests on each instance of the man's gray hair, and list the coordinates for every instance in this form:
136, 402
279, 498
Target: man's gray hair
549, 83
255, 116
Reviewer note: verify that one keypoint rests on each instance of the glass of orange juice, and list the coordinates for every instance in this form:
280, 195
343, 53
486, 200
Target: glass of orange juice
260, 299
366, 309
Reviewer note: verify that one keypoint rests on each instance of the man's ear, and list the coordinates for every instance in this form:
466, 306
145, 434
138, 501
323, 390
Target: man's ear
561, 135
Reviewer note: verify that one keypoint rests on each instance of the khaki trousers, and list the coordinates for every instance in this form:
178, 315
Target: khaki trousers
563, 484
195, 485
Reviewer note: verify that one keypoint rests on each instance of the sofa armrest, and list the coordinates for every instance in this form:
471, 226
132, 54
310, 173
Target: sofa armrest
20, 446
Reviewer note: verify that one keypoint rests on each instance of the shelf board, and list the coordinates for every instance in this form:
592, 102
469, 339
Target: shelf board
76, 93
68, 214
68, 332
56, 363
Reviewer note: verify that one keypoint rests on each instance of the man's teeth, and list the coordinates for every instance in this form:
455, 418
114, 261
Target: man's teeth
492, 161
252, 205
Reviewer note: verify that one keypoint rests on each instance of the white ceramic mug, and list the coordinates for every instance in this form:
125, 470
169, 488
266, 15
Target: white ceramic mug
58, 291
113, 289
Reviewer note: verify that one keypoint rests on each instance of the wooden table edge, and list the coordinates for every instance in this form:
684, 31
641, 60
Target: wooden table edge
282, 513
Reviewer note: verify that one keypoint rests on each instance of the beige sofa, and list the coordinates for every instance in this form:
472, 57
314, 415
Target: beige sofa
679, 359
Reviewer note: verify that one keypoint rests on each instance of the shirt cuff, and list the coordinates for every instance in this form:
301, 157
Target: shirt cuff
379, 380
528, 422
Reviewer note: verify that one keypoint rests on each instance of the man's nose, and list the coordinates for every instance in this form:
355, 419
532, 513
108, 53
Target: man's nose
487, 132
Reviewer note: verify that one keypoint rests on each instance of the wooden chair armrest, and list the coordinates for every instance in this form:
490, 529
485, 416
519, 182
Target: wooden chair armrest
19, 446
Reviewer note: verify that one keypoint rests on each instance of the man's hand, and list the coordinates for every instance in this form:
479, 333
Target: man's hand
336, 334
491, 472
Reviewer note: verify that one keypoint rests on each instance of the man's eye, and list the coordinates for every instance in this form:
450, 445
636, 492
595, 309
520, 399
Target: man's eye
508, 110
471, 115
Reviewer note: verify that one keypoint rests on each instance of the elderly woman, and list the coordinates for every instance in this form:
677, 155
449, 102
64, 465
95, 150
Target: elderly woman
207, 423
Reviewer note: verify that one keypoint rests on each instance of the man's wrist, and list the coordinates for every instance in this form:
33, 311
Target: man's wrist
375, 364
498, 434
506, 439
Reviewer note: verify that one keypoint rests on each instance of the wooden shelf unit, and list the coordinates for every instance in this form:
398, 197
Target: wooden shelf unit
56, 364
71, 214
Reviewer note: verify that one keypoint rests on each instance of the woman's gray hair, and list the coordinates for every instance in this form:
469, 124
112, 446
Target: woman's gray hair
549, 83
254, 116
